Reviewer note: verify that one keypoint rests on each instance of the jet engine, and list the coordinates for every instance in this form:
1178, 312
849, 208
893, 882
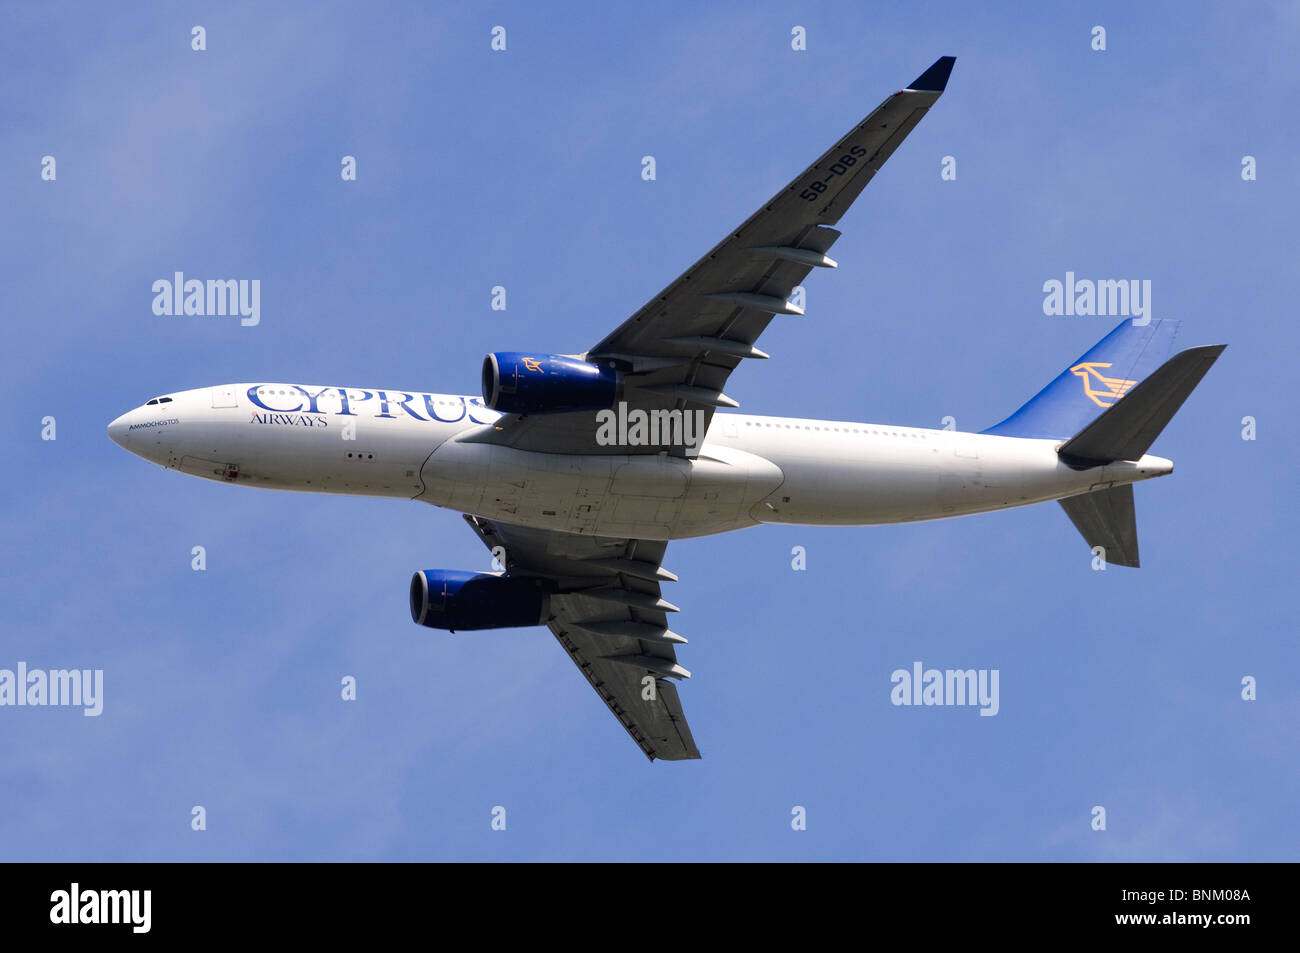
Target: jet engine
516, 383
451, 599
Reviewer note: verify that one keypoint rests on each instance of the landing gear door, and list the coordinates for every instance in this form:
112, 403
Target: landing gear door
224, 396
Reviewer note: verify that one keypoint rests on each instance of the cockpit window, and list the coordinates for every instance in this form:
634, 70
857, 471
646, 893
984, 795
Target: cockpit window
152, 402
159, 400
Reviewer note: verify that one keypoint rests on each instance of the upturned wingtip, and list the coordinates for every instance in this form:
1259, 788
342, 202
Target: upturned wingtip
935, 79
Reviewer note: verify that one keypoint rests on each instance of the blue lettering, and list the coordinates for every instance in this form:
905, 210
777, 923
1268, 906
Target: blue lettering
312, 407
254, 398
343, 396
384, 401
433, 414
478, 402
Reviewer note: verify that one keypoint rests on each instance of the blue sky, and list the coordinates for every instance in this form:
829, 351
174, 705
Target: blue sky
522, 169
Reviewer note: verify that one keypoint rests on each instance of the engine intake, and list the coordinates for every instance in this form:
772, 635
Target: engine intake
517, 383
452, 599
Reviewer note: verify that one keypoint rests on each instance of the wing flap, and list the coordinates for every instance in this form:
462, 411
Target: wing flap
657, 725
610, 616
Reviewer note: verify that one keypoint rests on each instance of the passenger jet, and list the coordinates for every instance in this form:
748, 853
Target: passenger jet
577, 469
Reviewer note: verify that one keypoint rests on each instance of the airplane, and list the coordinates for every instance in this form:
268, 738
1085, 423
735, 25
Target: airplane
576, 470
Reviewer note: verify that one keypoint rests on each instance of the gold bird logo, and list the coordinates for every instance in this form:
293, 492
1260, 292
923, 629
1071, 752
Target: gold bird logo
535, 366
1101, 390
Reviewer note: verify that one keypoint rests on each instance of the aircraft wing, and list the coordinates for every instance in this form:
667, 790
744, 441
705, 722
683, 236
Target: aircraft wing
678, 350
609, 615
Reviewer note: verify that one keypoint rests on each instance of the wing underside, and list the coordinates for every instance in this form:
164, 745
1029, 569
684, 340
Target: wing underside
609, 614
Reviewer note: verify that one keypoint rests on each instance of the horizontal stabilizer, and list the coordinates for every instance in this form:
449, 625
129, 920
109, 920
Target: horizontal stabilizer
1105, 518
1131, 425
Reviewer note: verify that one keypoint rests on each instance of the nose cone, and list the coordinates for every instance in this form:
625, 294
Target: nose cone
117, 431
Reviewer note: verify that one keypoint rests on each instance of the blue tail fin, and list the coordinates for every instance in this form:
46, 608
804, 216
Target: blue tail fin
1086, 388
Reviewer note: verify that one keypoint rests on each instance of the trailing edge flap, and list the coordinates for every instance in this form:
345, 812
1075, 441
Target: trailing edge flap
610, 618
1105, 518
1131, 425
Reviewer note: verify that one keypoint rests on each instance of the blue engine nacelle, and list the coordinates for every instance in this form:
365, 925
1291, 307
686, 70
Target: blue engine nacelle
450, 599
516, 383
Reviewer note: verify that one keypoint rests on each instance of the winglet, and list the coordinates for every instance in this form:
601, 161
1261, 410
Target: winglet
935, 79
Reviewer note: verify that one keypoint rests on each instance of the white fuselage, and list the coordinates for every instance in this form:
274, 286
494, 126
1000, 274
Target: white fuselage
748, 470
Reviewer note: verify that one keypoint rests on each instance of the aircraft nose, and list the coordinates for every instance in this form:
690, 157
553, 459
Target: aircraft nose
117, 430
